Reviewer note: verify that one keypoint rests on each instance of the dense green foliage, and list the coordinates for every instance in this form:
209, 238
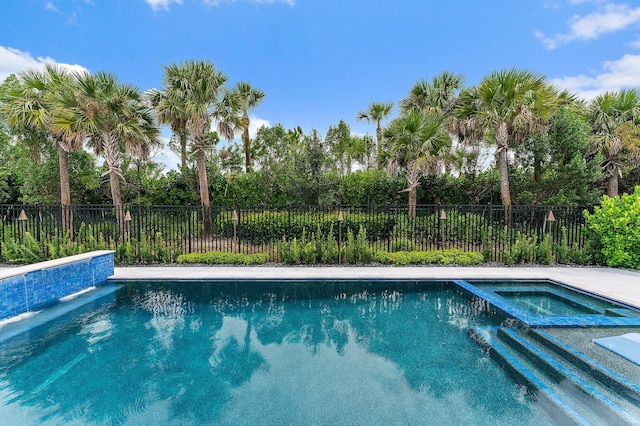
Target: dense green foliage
614, 230
435, 257
223, 258
511, 139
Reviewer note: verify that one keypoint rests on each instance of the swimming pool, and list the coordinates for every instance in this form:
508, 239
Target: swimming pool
338, 352
324, 352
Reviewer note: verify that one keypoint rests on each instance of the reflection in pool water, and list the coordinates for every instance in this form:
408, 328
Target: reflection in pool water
264, 353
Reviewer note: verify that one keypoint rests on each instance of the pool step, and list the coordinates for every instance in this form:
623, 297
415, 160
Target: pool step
621, 385
568, 392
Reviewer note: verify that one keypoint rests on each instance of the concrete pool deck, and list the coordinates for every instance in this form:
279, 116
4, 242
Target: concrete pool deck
617, 284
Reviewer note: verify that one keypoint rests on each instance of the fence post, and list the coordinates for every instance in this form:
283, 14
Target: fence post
389, 230
138, 220
189, 227
340, 219
38, 224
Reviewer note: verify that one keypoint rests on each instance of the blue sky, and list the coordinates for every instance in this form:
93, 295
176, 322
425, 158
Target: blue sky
319, 61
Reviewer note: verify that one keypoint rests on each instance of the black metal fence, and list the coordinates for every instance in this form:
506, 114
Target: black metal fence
145, 231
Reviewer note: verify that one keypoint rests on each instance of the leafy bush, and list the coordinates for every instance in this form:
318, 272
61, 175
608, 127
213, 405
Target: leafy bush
571, 254
544, 253
323, 248
523, 250
614, 230
357, 249
223, 258
29, 251
440, 257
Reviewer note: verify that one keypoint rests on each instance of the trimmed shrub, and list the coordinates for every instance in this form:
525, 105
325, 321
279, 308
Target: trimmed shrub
438, 257
222, 258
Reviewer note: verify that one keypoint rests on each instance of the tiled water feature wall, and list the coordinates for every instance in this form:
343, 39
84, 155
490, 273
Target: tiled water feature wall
31, 287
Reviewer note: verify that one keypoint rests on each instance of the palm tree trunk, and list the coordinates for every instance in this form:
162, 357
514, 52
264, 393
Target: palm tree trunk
183, 149
612, 184
204, 191
116, 196
537, 170
412, 201
378, 140
502, 159
246, 142
65, 192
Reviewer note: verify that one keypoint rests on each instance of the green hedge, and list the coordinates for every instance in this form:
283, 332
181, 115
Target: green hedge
271, 226
614, 230
439, 257
222, 258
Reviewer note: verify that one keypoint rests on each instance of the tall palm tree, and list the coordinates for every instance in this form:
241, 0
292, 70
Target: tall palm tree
33, 105
376, 113
506, 106
438, 96
245, 98
114, 119
414, 143
196, 88
615, 119
170, 111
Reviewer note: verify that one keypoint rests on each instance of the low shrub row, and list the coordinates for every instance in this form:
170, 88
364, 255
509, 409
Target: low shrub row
223, 258
434, 257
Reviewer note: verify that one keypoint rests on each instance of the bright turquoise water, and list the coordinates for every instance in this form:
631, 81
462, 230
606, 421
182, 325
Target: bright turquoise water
545, 303
263, 353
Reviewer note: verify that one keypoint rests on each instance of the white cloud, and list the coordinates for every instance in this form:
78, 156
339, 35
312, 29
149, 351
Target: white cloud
255, 124
161, 4
164, 4
584, 1
50, 6
166, 157
616, 75
610, 18
217, 2
13, 61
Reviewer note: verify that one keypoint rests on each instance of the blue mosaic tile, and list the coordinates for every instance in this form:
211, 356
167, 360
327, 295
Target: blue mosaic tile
40, 288
512, 310
12, 297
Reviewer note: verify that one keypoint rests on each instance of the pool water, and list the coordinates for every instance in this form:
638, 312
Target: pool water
546, 303
264, 353
543, 303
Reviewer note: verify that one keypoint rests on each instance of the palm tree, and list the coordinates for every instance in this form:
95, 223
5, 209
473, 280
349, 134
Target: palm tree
506, 106
245, 98
414, 143
170, 111
195, 87
114, 119
376, 112
437, 97
33, 105
615, 119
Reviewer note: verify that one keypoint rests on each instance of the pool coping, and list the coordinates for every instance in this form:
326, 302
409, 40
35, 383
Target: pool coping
48, 264
619, 285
